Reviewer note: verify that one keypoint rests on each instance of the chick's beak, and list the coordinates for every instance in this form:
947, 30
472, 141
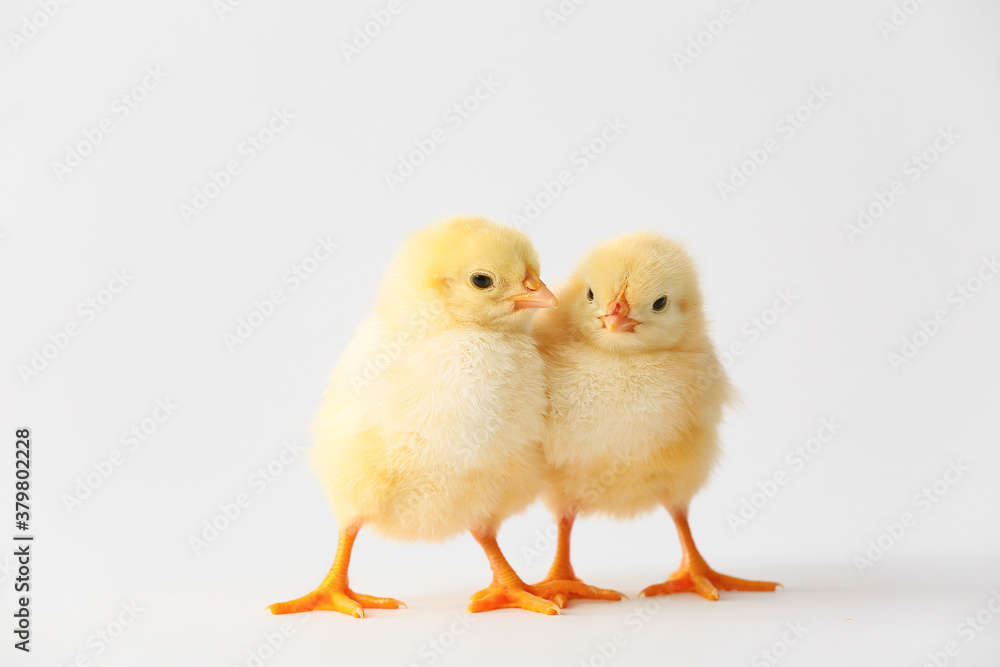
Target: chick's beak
536, 294
616, 318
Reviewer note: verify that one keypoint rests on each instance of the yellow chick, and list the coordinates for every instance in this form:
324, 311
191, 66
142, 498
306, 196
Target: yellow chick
433, 418
636, 395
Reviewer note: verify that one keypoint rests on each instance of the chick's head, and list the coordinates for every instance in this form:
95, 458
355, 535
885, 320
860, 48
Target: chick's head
636, 292
467, 270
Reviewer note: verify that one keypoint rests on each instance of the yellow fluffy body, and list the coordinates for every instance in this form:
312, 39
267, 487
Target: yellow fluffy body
633, 417
433, 418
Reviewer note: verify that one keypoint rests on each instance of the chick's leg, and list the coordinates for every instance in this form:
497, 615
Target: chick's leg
694, 574
334, 594
561, 584
507, 589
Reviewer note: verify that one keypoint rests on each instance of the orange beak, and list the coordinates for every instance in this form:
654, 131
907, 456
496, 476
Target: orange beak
617, 318
536, 294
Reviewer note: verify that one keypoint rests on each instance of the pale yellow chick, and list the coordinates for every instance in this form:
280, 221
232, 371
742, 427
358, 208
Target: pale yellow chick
433, 418
636, 395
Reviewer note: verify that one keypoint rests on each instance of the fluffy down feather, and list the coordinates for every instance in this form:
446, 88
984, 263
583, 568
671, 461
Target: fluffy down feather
633, 415
432, 421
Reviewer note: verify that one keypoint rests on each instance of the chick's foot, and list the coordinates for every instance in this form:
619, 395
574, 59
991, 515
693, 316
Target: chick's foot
694, 574
507, 589
340, 599
504, 595
561, 585
561, 590
699, 578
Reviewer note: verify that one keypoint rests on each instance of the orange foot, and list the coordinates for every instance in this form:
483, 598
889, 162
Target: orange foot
340, 599
704, 581
517, 594
562, 590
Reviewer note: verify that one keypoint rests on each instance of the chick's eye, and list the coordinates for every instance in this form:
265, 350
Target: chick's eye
590, 295
660, 304
482, 281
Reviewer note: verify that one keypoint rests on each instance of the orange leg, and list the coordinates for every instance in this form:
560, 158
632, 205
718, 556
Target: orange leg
507, 589
561, 584
694, 574
334, 594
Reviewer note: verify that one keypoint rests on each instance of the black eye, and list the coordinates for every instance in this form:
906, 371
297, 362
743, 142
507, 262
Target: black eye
482, 281
660, 304
590, 295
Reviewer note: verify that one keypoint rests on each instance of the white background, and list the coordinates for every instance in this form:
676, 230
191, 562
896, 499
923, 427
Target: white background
324, 175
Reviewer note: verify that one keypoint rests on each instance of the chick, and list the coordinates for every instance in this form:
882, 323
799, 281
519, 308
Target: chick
433, 418
636, 394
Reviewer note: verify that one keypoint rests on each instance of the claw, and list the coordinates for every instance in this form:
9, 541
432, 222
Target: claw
699, 578
496, 596
340, 599
561, 591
